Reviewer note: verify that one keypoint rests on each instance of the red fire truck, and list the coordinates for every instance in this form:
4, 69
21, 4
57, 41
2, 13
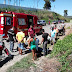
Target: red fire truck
19, 21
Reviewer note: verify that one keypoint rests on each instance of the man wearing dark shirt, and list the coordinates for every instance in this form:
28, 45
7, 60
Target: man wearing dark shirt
44, 40
11, 36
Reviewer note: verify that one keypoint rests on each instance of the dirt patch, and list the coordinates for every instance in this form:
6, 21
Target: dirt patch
48, 65
31, 69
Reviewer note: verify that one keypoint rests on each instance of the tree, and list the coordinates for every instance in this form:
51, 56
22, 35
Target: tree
65, 12
47, 4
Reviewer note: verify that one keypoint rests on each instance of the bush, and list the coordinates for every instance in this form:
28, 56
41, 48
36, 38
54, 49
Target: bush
62, 49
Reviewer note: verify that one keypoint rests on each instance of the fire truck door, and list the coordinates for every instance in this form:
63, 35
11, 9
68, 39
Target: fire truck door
30, 21
7, 24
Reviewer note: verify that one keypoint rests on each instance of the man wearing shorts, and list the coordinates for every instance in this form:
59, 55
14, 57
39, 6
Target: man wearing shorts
53, 35
20, 37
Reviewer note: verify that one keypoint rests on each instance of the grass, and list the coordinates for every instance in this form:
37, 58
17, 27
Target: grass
62, 50
25, 63
68, 27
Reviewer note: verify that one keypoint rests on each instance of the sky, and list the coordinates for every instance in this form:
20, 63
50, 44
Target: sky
58, 6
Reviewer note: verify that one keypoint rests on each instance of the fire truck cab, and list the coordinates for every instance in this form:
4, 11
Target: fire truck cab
19, 21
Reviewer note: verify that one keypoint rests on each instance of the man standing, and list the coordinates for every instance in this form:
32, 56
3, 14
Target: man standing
52, 25
53, 35
20, 37
49, 22
11, 36
44, 40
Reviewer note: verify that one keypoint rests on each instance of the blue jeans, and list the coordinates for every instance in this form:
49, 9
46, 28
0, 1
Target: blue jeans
45, 47
11, 45
21, 46
36, 43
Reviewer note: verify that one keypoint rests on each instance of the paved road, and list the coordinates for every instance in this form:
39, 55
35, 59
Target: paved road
47, 29
17, 57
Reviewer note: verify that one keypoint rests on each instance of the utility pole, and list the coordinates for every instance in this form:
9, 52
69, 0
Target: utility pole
37, 3
14, 2
19, 2
54, 8
8, 2
4, 1
34, 4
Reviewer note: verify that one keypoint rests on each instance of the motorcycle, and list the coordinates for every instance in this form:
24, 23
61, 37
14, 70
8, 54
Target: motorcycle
3, 48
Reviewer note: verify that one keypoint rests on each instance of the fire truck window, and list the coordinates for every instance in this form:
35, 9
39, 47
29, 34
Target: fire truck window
21, 21
30, 20
8, 21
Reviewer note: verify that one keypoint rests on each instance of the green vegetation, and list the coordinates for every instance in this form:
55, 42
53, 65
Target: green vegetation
63, 51
47, 4
23, 64
44, 15
68, 27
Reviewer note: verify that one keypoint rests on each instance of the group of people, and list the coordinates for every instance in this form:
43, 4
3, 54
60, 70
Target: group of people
32, 40
20, 36
52, 35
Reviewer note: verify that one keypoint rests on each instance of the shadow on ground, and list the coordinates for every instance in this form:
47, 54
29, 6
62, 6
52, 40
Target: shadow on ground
6, 60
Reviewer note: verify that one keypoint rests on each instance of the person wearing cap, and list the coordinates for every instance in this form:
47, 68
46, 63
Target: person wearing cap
11, 37
53, 35
20, 37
